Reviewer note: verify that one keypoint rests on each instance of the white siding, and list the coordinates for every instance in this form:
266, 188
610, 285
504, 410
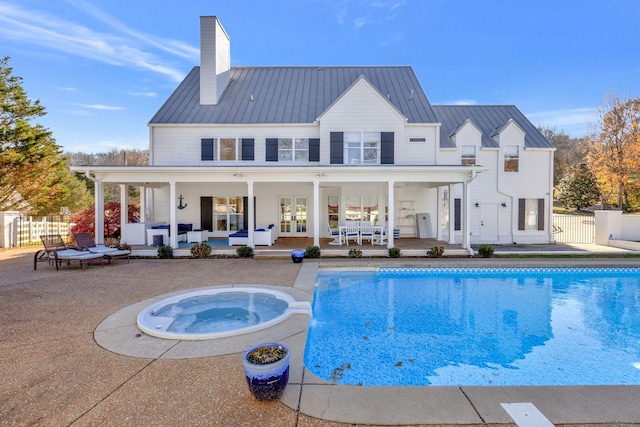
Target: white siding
419, 153
361, 109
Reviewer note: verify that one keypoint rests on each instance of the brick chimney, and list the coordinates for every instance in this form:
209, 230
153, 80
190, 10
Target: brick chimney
215, 60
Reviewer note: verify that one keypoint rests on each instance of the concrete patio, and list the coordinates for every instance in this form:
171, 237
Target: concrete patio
66, 335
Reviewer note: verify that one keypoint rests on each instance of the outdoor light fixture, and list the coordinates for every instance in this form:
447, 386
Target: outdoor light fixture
477, 205
503, 204
181, 206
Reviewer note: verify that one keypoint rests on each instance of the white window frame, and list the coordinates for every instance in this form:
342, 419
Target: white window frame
531, 214
358, 142
466, 158
217, 142
511, 157
297, 147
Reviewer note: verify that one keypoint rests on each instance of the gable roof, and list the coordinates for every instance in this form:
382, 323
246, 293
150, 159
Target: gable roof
262, 95
489, 119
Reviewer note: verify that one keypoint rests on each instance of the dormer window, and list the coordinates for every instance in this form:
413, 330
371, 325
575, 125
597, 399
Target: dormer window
468, 155
511, 158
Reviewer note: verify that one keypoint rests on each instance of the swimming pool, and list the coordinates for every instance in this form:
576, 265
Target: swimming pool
477, 326
218, 312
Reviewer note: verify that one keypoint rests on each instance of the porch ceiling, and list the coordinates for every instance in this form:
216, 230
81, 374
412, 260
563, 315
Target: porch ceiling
158, 176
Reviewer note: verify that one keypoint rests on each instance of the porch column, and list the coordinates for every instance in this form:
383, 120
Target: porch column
99, 212
466, 227
173, 216
124, 211
439, 213
143, 203
316, 213
251, 208
452, 225
149, 214
391, 217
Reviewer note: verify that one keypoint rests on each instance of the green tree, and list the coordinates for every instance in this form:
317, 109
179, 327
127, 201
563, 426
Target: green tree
32, 169
578, 189
569, 152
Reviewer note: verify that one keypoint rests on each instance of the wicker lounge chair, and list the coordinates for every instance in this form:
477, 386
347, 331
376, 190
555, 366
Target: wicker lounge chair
56, 251
84, 241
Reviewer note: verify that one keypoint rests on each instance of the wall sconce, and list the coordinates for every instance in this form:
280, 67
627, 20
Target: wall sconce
181, 206
503, 204
238, 174
320, 175
477, 205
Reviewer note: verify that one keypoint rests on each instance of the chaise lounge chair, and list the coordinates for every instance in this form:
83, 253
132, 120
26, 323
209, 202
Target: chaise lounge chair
85, 242
55, 250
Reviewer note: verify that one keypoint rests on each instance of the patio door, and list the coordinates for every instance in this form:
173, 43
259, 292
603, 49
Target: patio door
293, 216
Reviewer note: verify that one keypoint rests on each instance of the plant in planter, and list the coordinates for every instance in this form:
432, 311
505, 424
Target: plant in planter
394, 252
266, 368
435, 252
201, 250
355, 253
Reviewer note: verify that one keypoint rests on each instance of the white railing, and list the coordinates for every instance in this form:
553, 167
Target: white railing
31, 228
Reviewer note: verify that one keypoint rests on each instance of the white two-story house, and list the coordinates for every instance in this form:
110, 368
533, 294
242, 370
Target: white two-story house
307, 148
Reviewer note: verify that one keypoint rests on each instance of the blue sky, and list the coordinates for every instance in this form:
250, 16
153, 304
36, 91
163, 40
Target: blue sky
103, 68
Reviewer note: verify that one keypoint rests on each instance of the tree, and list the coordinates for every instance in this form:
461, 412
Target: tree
130, 157
578, 189
569, 152
614, 150
85, 221
32, 169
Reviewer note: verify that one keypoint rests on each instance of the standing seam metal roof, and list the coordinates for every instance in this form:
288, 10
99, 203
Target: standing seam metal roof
290, 95
489, 118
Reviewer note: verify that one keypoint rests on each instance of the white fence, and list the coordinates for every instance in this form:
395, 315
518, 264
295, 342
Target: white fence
17, 229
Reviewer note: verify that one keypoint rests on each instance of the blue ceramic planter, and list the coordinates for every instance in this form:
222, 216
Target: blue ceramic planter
297, 256
267, 382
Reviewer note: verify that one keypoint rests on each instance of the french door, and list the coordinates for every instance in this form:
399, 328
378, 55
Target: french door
293, 216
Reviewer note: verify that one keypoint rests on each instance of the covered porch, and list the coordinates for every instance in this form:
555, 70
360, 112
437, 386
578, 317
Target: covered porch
430, 188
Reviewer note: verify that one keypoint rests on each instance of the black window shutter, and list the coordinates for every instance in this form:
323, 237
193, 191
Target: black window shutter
272, 150
457, 214
521, 212
336, 155
540, 214
207, 148
386, 148
206, 213
314, 149
247, 149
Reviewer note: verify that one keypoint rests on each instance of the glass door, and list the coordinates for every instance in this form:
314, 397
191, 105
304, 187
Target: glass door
293, 216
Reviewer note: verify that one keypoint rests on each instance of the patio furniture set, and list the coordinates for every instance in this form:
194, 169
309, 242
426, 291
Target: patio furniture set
358, 231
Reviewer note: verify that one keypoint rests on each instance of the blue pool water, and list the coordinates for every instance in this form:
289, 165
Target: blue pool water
477, 326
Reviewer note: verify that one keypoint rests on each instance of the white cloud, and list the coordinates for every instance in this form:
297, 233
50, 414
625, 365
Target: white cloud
462, 102
103, 107
121, 47
362, 21
149, 94
573, 121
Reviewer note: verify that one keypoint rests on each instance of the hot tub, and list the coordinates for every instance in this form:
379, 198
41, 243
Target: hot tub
218, 312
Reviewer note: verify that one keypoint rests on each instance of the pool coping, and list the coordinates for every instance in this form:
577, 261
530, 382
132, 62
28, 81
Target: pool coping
379, 405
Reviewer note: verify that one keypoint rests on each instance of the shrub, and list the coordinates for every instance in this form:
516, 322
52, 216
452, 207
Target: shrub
394, 252
165, 252
124, 247
435, 252
355, 253
485, 251
312, 252
245, 251
200, 250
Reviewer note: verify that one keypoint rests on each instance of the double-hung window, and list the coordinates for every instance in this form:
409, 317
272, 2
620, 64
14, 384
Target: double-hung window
468, 155
362, 148
222, 149
511, 158
293, 149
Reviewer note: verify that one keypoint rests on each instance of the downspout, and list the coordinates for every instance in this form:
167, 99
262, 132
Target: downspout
467, 211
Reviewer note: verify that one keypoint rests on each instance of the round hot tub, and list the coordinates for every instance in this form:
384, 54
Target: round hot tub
218, 312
